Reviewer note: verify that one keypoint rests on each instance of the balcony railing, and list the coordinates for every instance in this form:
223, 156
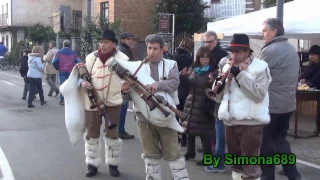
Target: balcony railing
29, 19
3, 19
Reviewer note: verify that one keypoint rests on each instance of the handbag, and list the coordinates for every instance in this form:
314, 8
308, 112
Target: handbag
209, 107
26, 79
57, 67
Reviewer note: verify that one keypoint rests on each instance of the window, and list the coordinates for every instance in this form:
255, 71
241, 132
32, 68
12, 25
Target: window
104, 10
215, 1
77, 19
7, 41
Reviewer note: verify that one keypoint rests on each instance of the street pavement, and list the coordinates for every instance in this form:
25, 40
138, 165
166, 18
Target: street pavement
36, 143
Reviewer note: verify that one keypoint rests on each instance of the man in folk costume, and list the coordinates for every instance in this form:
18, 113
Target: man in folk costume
108, 86
159, 142
244, 108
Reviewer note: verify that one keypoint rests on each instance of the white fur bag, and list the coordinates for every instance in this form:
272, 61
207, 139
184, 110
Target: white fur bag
74, 107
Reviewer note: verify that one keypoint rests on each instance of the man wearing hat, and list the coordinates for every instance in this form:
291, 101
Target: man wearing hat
107, 86
50, 71
244, 106
126, 42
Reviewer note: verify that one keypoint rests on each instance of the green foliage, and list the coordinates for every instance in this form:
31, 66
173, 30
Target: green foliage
39, 33
189, 15
15, 51
271, 3
68, 33
92, 30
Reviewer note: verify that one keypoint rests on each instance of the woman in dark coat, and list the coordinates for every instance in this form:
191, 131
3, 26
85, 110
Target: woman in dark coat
201, 122
312, 74
184, 57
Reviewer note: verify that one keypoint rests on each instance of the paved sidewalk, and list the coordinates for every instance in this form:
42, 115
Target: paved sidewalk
306, 149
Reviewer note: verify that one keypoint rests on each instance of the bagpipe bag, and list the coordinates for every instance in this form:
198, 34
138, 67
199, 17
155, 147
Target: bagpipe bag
74, 107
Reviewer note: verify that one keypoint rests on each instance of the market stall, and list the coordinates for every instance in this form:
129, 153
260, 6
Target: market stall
301, 21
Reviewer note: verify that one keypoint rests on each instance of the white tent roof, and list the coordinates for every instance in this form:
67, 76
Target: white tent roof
301, 21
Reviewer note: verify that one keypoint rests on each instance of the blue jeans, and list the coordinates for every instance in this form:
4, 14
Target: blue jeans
122, 117
63, 77
220, 142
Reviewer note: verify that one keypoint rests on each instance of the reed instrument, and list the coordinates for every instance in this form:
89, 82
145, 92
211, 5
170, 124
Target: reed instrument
95, 101
211, 93
152, 100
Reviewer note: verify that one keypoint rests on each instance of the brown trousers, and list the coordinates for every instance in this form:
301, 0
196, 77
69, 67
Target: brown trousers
93, 122
245, 141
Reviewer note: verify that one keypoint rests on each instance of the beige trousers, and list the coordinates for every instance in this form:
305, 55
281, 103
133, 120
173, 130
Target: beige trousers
159, 142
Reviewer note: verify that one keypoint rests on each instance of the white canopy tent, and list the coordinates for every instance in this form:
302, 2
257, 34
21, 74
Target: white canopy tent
301, 21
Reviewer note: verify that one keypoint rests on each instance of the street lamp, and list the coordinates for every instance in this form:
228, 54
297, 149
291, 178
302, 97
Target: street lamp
280, 4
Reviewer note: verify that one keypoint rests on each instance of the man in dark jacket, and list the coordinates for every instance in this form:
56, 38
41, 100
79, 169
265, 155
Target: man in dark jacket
212, 42
126, 42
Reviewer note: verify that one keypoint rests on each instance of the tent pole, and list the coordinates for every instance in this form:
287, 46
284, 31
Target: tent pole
280, 4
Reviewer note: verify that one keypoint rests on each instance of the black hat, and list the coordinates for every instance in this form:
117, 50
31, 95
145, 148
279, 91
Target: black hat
239, 41
125, 35
315, 49
108, 35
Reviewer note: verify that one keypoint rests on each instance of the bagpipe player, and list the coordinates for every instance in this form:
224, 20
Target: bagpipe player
159, 142
107, 86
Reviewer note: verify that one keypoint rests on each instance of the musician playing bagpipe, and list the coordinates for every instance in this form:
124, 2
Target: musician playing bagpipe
107, 87
244, 109
159, 142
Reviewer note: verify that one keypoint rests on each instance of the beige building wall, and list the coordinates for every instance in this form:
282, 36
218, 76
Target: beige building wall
39, 10
97, 6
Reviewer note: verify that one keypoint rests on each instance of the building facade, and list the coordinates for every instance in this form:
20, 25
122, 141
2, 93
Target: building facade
17, 15
222, 9
135, 17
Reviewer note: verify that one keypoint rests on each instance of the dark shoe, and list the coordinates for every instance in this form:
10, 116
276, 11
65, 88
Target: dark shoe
50, 95
125, 135
23, 98
57, 92
43, 103
282, 173
189, 156
184, 140
183, 143
200, 150
114, 171
61, 103
200, 163
31, 106
91, 171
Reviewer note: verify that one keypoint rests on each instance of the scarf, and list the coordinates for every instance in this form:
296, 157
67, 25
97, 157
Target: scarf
242, 66
105, 57
201, 70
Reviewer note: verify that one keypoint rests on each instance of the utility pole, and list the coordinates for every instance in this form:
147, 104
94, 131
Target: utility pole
280, 4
